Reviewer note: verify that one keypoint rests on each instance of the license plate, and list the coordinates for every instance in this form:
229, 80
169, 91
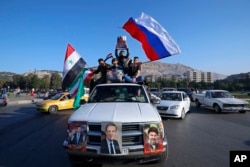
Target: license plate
124, 151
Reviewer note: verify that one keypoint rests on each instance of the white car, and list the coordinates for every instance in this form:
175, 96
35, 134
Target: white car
174, 104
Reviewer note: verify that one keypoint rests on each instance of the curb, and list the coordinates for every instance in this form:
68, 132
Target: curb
24, 101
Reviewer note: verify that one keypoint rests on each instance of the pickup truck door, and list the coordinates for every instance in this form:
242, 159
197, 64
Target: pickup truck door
208, 101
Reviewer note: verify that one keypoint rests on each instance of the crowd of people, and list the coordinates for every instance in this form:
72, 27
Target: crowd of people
122, 69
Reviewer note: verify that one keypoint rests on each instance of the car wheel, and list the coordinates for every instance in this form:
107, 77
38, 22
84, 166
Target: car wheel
53, 109
242, 111
82, 102
217, 108
197, 103
183, 114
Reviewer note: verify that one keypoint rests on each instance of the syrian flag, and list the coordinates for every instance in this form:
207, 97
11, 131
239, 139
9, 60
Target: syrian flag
76, 89
73, 65
156, 41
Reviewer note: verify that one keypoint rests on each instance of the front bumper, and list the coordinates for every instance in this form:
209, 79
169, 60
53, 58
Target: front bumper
42, 108
135, 155
235, 109
170, 113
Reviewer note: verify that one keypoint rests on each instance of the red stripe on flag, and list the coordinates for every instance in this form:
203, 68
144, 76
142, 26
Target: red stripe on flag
88, 76
136, 33
69, 51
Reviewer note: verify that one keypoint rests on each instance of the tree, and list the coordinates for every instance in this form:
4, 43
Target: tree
32, 81
45, 82
55, 81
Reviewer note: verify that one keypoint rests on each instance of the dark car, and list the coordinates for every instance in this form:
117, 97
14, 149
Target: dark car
188, 92
50, 94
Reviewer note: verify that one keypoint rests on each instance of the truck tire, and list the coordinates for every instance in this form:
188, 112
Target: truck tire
79, 162
217, 108
197, 103
242, 111
163, 158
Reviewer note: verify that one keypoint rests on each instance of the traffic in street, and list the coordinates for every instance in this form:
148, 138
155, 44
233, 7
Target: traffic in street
203, 138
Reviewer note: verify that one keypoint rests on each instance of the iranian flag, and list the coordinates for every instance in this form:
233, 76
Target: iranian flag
73, 66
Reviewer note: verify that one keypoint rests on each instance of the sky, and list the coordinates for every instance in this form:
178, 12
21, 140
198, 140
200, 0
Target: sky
213, 35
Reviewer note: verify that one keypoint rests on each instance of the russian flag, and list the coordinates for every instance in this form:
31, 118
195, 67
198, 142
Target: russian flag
155, 40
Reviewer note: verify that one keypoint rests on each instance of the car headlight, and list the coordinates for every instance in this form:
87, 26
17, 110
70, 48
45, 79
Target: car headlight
174, 107
247, 105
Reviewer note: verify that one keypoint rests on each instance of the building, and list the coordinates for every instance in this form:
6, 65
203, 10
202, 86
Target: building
199, 76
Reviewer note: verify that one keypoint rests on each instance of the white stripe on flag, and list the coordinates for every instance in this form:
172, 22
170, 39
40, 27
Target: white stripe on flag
73, 90
70, 62
154, 27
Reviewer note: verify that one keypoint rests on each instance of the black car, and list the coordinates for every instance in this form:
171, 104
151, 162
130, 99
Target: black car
188, 92
50, 94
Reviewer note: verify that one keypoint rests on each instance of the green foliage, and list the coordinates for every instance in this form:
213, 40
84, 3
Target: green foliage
33, 81
230, 85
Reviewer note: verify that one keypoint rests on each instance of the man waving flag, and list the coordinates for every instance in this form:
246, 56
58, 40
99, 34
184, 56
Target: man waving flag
155, 40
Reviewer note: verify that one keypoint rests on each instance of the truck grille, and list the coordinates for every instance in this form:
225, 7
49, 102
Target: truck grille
162, 108
233, 105
132, 134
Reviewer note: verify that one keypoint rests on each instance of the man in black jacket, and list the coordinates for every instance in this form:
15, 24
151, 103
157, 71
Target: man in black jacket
102, 68
123, 59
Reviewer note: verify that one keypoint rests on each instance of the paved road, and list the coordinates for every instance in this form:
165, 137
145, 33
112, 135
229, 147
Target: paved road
203, 139
23, 99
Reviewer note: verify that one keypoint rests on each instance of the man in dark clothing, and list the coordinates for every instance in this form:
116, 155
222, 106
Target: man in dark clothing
102, 68
134, 72
123, 60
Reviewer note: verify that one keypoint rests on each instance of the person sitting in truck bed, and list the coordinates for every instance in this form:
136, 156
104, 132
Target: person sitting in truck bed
134, 74
115, 72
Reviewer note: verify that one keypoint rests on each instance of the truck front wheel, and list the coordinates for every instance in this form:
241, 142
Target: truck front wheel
197, 103
217, 108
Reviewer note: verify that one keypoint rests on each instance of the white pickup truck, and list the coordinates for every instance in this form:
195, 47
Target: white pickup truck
118, 125
220, 100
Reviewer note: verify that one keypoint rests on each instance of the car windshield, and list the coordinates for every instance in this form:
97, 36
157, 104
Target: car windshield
221, 94
168, 89
154, 90
185, 90
117, 93
56, 96
171, 96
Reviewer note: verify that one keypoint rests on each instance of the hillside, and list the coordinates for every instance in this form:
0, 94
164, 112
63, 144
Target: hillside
159, 68
150, 68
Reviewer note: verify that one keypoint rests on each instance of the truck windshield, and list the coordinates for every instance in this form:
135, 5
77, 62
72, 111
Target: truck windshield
221, 95
118, 93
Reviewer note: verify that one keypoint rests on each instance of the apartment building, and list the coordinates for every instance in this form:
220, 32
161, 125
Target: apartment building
199, 76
